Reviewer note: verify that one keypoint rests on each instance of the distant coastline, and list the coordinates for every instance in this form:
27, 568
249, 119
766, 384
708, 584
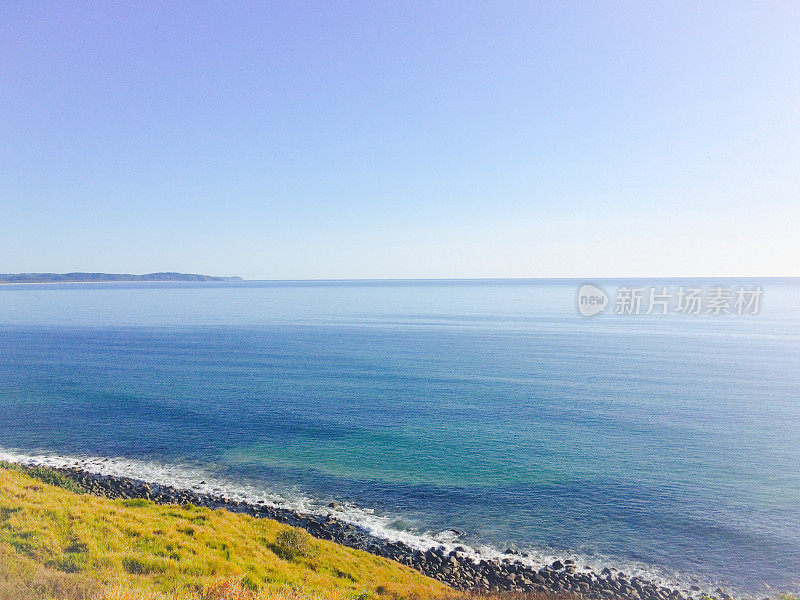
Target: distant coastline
106, 277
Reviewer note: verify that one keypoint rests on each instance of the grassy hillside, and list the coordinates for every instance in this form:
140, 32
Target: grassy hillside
56, 542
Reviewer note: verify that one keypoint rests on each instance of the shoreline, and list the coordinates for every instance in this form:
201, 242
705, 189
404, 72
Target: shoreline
456, 568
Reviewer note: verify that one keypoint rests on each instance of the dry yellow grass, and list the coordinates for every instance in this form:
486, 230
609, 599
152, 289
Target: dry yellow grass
55, 543
231, 589
225, 589
23, 579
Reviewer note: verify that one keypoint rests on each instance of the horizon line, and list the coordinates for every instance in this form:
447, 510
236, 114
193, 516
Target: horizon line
393, 279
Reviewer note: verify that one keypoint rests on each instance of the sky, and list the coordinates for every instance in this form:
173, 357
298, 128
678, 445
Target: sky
306, 140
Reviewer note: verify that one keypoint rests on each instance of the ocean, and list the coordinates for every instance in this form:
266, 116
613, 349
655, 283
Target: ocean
487, 413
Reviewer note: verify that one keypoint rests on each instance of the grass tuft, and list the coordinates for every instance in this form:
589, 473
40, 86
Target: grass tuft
136, 503
292, 543
138, 565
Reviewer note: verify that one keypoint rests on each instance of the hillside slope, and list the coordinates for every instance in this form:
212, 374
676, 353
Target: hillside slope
79, 544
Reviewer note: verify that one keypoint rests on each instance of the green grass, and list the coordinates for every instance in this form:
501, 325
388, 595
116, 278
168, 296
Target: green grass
45, 475
84, 543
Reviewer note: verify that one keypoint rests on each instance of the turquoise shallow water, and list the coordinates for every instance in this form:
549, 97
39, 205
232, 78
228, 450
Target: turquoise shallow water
491, 408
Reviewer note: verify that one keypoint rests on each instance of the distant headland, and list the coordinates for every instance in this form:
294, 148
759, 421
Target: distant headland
100, 277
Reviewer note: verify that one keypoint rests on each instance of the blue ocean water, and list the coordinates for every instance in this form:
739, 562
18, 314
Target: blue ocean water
488, 407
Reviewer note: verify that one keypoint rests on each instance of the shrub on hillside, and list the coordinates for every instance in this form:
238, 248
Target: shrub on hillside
292, 543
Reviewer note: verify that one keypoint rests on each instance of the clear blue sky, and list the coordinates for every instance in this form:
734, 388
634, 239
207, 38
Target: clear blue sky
399, 139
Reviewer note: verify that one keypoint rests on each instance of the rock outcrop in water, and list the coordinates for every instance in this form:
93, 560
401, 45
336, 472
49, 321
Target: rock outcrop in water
455, 568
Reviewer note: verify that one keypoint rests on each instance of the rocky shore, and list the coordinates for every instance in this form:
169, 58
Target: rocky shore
455, 568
